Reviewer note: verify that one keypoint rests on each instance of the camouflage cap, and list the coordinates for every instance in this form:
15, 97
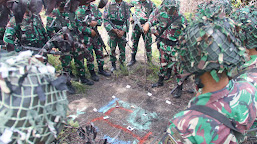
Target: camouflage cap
247, 19
209, 44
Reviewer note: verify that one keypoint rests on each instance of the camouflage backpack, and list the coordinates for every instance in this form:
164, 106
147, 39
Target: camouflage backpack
33, 100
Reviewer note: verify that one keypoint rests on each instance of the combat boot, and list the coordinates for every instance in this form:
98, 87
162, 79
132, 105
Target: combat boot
133, 60
159, 83
113, 67
178, 91
103, 72
94, 77
168, 74
86, 81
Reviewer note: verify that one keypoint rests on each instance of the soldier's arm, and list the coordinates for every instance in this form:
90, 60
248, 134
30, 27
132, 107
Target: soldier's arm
98, 16
126, 24
106, 16
153, 18
10, 32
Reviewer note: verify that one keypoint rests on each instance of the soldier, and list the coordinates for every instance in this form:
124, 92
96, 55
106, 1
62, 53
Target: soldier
224, 109
89, 17
143, 9
170, 22
248, 38
116, 22
30, 32
56, 21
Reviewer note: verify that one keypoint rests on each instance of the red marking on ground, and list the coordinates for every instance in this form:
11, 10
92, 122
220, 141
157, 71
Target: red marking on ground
141, 140
112, 109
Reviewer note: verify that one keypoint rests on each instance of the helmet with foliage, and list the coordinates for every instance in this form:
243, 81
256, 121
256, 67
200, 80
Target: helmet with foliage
210, 45
247, 19
33, 100
215, 7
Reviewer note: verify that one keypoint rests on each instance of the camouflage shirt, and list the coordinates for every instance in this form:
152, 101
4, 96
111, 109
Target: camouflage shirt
250, 70
162, 18
55, 21
117, 12
143, 9
30, 33
237, 101
91, 13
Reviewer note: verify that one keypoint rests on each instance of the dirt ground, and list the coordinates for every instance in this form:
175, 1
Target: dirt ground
124, 108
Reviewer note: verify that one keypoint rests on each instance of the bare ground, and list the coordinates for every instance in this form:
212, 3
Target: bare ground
148, 114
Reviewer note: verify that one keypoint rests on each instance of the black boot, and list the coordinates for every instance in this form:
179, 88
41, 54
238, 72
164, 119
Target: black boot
178, 91
133, 60
159, 83
71, 89
113, 67
168, 74
102, 72
86, 81
94, 77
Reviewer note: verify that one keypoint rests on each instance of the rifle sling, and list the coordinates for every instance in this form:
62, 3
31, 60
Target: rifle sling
215, 114
162, 31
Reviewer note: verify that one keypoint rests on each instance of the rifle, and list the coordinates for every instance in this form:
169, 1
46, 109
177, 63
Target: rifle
58, 21
158, 38
137, 23
43, 50
98, 37
122, 38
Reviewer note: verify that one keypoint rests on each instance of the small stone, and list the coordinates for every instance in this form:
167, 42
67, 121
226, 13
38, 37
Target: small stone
95, 110
149, 94
168, 102
128, 86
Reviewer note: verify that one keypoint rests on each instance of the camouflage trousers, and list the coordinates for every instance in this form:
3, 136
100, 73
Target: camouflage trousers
66, 59
168, 60
136, 34
98, 49
79, 54
113, 42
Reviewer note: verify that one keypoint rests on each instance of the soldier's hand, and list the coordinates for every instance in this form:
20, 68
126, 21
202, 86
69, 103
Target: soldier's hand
120, 33
93, 33
131, 20
146, 28
116, 31
93, 23
156, 33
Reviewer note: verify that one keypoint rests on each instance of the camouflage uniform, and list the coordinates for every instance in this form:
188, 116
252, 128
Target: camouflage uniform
143, 9
209, 47
118, 14
30, 32
55, 21
237, 101
168, 40
93, 14
78, 51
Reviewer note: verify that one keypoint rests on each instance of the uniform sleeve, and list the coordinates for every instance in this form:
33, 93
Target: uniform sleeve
10, 32
153, 18
98, 16
79, 18
107, 25
126, 24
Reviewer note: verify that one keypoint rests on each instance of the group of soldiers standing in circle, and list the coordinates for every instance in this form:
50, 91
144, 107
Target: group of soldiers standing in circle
83, 26
217, 48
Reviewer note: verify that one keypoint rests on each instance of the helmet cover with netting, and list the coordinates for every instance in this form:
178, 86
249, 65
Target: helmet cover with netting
247, 19
33, 102
171, 5
215, 7
210, 45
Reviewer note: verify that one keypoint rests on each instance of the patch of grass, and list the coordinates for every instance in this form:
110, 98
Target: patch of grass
54, 61
80, 88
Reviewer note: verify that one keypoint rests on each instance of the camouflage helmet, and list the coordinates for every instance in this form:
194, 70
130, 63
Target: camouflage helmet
171, 5
33, 102
247, 19
210, 45
215, 7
